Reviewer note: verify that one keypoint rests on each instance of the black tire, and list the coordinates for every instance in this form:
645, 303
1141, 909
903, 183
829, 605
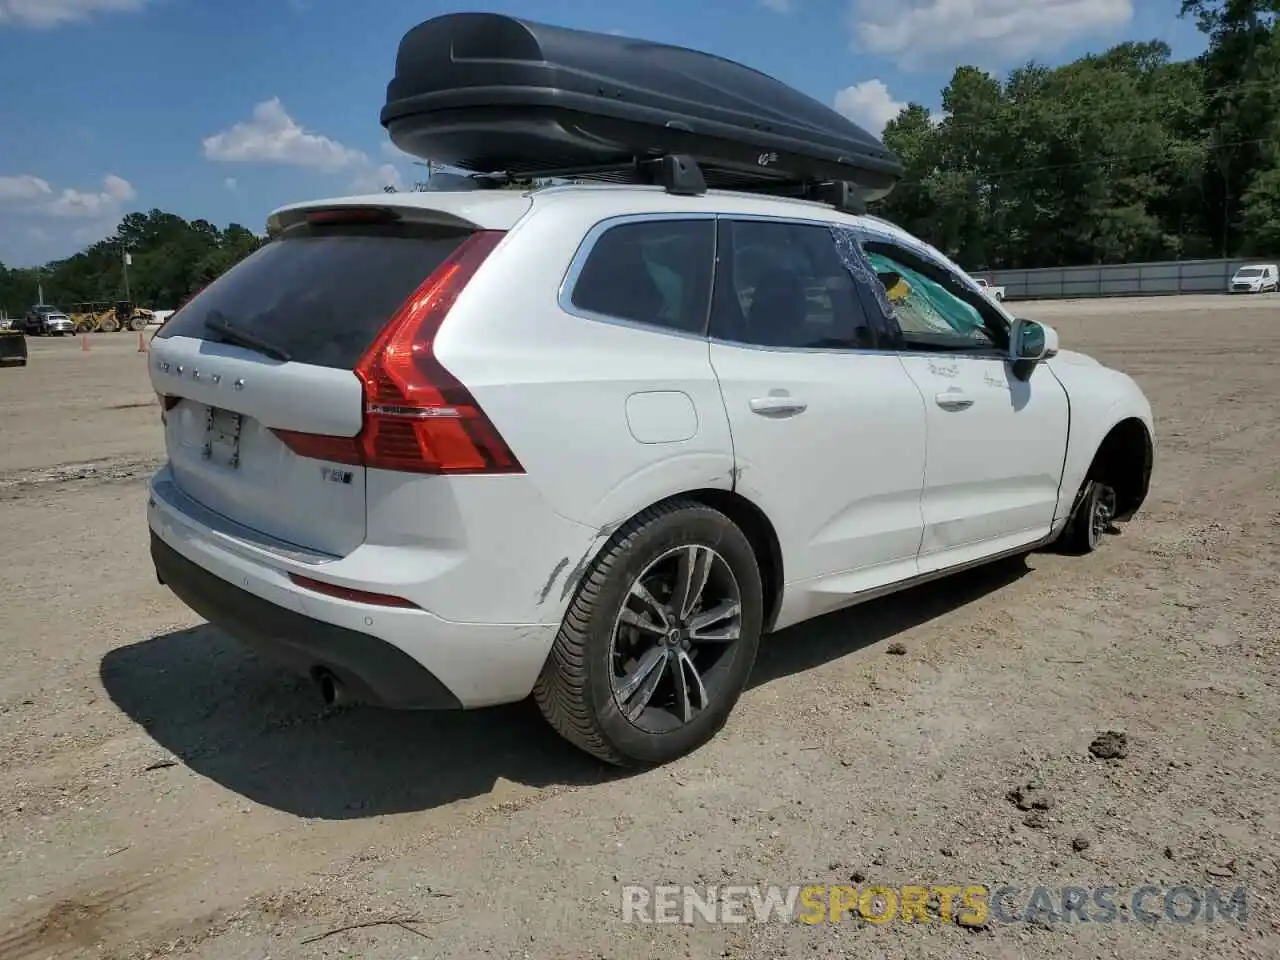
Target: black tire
575, 691
1092, 519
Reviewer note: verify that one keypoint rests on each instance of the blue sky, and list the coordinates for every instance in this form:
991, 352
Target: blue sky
226, 109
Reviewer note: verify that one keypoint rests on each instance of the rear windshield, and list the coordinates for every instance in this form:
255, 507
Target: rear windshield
320, 295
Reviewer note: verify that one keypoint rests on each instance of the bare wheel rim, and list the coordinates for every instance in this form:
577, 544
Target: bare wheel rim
1104, 511
674, 638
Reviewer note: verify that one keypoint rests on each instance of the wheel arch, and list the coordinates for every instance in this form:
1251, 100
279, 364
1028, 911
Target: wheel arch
760, 533
1123, 462
746, 515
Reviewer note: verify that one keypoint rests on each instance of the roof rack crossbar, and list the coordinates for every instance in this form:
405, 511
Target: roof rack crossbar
681, 175
676, 173
834, 193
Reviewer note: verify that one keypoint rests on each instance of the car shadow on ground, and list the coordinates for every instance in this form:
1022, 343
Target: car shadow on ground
264, 734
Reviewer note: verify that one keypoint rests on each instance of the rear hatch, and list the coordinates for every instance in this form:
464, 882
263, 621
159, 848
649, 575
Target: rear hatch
260, 365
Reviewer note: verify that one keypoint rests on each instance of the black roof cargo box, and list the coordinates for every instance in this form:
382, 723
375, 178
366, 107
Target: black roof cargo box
493, 94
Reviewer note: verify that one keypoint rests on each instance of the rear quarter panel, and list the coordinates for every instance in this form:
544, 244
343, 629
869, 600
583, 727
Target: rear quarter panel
583, 403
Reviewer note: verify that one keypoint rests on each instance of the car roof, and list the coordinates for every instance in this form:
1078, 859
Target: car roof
501, 209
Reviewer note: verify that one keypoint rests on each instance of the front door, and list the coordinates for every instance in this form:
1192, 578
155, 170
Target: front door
828, 433
995, 443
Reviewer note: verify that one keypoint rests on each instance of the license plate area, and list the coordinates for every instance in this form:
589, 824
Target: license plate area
222, 437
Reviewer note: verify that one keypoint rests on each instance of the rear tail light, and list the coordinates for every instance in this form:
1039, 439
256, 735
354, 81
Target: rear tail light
418, 418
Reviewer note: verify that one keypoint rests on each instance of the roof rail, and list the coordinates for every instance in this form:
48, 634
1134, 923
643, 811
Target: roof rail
678, 174
682, 175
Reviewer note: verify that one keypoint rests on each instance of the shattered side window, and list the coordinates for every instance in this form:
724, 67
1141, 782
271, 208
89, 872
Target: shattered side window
855, 261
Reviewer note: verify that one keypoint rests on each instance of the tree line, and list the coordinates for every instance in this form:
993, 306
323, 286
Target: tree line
1120, 156
171, 258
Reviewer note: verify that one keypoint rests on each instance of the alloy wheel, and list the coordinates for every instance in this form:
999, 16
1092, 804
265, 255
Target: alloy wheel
674, 638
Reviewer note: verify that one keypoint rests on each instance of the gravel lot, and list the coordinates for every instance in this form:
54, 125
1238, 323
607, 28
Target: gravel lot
162, 792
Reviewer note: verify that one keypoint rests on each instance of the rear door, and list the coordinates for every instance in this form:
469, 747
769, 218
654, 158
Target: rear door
270, 347
828, 433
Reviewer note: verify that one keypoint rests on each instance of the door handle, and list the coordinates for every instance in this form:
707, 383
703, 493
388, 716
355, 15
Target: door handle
953, 400
778, 406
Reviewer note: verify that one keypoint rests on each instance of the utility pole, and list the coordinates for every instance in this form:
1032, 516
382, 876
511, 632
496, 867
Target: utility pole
127, 258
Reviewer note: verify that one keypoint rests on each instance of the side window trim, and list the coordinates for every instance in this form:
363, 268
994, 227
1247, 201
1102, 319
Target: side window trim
986, 310
564, 296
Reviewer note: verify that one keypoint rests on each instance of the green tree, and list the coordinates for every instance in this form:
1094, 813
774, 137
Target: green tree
1241, 82
172, 258
1099, 160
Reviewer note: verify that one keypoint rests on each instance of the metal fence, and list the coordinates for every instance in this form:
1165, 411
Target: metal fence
1170, 277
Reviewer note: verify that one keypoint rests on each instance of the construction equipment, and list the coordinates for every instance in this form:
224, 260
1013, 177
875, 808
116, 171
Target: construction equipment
93, 317
107, 317
13, 345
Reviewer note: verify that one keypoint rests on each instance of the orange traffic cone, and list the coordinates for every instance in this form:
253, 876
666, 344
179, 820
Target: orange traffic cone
142, 344
84, 343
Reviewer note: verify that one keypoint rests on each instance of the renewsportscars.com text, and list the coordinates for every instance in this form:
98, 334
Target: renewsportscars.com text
965, 904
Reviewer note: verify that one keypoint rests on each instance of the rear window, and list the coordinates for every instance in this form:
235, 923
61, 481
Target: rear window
321, 294
656, 272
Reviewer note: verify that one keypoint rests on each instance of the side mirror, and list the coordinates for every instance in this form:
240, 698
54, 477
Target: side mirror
1029, 343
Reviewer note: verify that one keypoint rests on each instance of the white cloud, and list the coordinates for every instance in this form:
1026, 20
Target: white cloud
52, 13
40, 223
31, 194
272, 136
1005, 30
23, 187
231, 183
373, 179
778, 6
394, 153
91, 206
868, 104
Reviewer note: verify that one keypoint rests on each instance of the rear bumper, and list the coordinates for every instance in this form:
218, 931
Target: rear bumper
372, 670
393, 657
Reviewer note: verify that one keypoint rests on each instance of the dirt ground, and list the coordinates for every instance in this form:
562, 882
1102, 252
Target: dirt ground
164, 793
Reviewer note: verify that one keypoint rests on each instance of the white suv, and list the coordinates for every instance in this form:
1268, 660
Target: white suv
591, 442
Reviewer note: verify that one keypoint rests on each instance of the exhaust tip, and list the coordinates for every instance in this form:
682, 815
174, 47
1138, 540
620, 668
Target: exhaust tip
330, 688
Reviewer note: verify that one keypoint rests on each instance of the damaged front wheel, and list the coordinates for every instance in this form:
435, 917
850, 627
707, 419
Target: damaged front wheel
1094, 517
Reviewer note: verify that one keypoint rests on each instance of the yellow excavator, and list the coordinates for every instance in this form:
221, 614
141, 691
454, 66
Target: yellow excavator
103, 316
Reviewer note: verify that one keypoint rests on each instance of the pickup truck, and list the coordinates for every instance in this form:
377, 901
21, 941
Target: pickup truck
995, 293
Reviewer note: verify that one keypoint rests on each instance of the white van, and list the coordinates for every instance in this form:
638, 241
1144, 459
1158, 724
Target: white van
1255, 278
